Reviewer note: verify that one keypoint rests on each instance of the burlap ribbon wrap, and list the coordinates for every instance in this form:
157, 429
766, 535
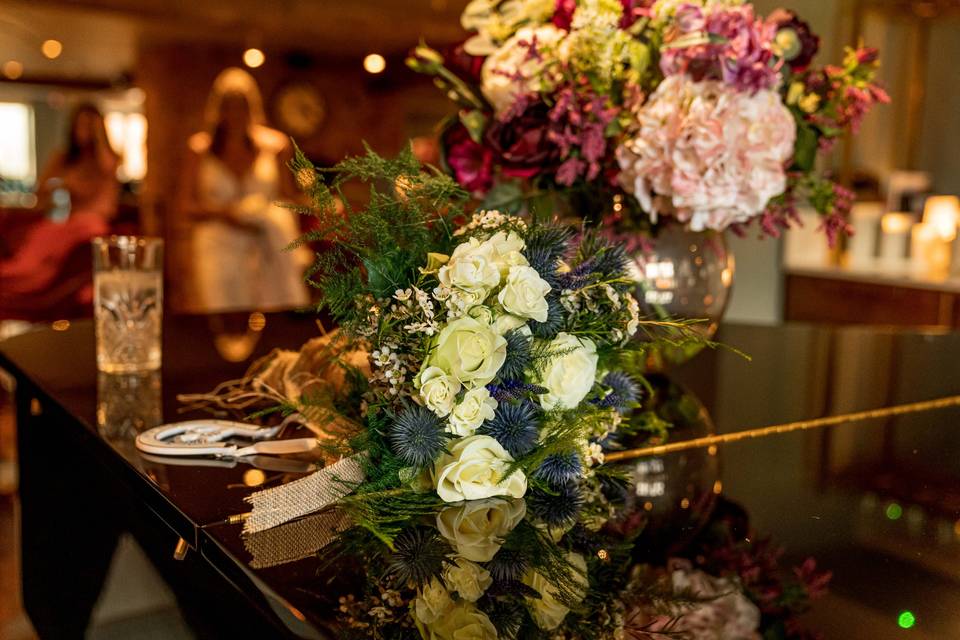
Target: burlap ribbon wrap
272, 507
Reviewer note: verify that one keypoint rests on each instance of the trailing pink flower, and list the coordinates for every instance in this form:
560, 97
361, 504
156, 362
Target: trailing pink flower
722, 43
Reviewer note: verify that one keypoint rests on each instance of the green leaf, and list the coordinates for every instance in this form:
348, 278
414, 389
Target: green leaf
504, 196
805, 148
475, 122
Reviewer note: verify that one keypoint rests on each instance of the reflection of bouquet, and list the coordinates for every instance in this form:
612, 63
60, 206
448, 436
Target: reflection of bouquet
700, 110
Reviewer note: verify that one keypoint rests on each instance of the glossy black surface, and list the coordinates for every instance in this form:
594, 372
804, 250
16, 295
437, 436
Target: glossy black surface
822, 493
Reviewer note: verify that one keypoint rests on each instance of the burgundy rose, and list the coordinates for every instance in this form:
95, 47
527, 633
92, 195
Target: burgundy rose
632, 10
521, 144
797, 42
463, 64
470, 163
563, 14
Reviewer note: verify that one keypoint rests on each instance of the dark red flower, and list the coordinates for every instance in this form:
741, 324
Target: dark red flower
798, 43
470, 163
463, 64
632, 10
520, 142
563, 14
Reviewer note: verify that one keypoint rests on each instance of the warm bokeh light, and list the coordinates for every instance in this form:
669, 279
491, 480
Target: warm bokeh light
374, 63
942, 213
254, 477
253, 57
51, 49
13, 69
896, 222
257, 321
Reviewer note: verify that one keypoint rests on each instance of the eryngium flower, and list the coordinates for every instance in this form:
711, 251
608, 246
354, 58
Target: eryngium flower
419, 556
417, 436
560, 468
624, 392
508, 564
514, 426
557, 508
518, 356
554, 324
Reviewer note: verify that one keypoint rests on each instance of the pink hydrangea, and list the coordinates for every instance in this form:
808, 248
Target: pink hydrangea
706, 153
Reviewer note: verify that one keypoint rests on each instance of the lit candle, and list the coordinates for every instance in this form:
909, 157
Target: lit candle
862, 245
942, 213
929, 251
896, 233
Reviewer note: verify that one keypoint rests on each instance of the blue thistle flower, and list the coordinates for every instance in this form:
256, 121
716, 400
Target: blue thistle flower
513, 390
545, 262
559, 468
610, 259
624, 392
514, 426
507, 616
417, 436
555, 319
547, 240
518, 356
558, 508
507, 565
419, 555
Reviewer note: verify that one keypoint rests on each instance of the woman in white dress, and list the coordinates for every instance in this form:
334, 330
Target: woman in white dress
234, 175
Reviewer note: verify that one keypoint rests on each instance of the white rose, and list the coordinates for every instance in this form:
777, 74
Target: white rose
476, 529
471, 268
467, 578
470, 413
511, 70
547, 611
724, 612
525, 294
470, 350
506, 322
475, 468
463, 622
438, 390
481, 314
505, 249
570, 375
432, 602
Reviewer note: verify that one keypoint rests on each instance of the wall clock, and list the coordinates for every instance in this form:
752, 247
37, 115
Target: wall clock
300, 108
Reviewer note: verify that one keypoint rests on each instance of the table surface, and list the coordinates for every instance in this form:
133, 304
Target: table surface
877, 502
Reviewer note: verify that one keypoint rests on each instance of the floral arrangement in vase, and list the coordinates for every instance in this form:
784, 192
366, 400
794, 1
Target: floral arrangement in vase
647, 111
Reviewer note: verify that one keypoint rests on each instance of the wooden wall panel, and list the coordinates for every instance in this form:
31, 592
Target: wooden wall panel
812, 299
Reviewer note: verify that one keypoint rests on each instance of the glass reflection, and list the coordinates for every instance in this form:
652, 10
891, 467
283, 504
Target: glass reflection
675, 559
128, 403
669, 498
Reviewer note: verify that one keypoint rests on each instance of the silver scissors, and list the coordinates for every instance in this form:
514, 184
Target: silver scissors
212, 438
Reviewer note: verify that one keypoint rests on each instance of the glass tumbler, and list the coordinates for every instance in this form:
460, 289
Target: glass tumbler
128, 302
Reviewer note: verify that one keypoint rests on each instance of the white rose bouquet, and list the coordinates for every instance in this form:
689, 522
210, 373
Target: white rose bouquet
499, 351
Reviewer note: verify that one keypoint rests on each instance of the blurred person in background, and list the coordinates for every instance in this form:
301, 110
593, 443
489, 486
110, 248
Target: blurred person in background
47, 270
234, 174
86, 169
